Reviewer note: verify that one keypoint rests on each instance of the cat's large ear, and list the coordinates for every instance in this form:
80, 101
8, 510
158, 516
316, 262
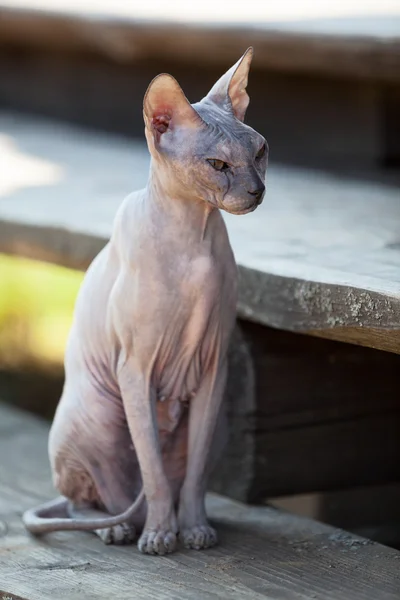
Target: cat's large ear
230, 90
165, 106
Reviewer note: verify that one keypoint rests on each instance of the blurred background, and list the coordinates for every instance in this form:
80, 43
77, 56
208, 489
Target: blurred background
324, 89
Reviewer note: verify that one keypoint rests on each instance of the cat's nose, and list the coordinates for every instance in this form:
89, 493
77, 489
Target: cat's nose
258, 193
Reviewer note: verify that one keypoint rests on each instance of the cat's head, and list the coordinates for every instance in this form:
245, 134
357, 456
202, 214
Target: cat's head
204, 151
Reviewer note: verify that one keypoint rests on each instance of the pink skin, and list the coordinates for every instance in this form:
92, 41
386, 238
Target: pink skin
135, 430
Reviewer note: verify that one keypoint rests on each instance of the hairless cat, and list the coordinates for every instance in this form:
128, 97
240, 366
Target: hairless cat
134, 433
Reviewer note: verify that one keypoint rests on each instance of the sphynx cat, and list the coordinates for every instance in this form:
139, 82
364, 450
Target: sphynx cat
132, 440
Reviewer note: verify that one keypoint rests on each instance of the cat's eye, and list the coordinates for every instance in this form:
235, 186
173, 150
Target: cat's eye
218, 165
261, 151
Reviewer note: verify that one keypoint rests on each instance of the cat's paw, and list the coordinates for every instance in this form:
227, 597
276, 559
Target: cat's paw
199, 537
159, 541
119, 534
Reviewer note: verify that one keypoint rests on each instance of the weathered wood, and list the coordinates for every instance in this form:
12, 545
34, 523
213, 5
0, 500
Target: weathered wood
320, 256
264, 553
310, 299
322, 416
366, 48
369, 511
307, 415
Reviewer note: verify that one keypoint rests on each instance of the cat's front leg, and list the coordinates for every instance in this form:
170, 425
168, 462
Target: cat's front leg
159, 533
194, 528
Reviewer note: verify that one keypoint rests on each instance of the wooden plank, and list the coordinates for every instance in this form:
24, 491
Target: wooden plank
326, 415
366, 47
264, 553
320, 256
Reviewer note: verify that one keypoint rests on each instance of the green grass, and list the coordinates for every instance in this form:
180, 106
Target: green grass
36, 305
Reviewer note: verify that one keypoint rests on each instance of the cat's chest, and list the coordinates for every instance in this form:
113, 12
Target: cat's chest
180, 289
195, 329
175, 312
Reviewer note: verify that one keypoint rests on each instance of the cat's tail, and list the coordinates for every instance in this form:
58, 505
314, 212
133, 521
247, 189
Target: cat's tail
53, 516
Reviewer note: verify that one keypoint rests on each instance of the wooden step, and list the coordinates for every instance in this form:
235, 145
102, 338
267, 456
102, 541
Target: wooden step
263, 552
321, 255
339, 39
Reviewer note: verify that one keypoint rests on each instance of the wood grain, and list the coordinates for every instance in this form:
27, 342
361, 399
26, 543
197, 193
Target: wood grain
326, 415
264, 553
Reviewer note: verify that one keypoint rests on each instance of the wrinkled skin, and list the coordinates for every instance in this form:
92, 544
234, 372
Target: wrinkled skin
134, 434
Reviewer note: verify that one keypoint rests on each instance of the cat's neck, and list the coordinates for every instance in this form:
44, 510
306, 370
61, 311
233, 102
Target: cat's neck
177, 209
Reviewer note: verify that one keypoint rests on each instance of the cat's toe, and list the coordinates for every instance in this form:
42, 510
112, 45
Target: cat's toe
199, 537
118, 535
157, 542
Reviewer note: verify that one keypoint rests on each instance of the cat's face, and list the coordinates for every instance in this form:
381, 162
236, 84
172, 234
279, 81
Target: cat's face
205, 151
